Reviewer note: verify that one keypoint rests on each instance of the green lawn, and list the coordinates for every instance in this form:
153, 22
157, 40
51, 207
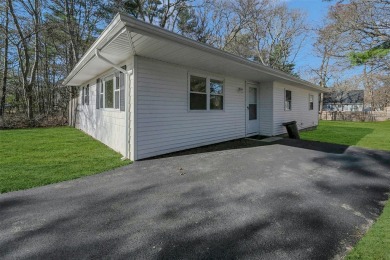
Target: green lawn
36, 157
376, 135
376, 243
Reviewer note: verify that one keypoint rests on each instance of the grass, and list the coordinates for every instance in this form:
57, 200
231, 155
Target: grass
376, 242
36, 157
375, 135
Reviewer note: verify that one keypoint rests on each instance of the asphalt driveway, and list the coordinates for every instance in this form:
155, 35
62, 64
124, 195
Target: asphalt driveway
284, 200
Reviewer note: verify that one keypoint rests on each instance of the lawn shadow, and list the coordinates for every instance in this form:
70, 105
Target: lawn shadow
241, 143
314, 145
245, 143
256, 142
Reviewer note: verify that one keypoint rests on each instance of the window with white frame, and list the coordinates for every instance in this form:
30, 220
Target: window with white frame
206, 93
101, 93
109, 92
311, 102
287, 99
116, 92
86, 95
216, 94
198, 93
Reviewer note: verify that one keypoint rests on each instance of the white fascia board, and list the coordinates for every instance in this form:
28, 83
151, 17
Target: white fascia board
115, 26
133, 25
143, 28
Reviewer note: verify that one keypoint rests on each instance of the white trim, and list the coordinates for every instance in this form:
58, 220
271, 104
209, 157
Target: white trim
134, 112
128, 82
89, 55
133, 25
249, 84
144, 28
108, 78
117, 91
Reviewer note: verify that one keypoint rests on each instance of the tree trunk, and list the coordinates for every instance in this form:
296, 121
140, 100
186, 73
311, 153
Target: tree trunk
5, 71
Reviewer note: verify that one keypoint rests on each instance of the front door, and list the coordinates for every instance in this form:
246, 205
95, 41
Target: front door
252, 117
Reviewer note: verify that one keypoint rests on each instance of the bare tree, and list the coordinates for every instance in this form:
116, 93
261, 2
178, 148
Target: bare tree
28, 63
367, 26
260, 30
5, 62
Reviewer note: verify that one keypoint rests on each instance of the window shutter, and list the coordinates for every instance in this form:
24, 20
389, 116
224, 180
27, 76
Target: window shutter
97, 93
87, 95
82, 96
122, 97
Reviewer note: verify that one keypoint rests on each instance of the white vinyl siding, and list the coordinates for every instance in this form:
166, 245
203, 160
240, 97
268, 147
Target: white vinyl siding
299, 111
160, 120
164, 122
105, 125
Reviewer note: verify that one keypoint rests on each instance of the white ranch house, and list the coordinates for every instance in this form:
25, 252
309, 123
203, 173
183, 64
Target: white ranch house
146, 91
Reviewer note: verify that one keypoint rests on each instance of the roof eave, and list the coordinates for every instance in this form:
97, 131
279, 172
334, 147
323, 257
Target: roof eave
138, 26
114, 26
133, 25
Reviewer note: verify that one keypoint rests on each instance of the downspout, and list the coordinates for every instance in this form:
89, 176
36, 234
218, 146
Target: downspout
128, 73
99, 56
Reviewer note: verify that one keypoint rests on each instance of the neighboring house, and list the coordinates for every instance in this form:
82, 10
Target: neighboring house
352, 100
146, 91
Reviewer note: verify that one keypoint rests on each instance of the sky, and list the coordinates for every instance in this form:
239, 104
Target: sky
316, 11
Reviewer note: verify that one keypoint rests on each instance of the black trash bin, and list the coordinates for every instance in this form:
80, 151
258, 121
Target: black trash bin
292, 129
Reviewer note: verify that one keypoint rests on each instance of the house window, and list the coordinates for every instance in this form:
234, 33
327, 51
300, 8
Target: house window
101, 93
82, 95
86, 95
116, 92
311, 102
109, 92
216, 94
206, 93
287, 99
198, 93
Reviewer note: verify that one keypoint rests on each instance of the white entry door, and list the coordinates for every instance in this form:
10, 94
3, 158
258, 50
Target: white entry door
252, 103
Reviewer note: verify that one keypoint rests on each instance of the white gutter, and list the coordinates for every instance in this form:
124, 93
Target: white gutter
153, 31
114, 26
99, 56
128, 73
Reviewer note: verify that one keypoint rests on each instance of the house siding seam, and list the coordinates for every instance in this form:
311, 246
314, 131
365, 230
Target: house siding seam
105, 125
300, 108
164, 122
